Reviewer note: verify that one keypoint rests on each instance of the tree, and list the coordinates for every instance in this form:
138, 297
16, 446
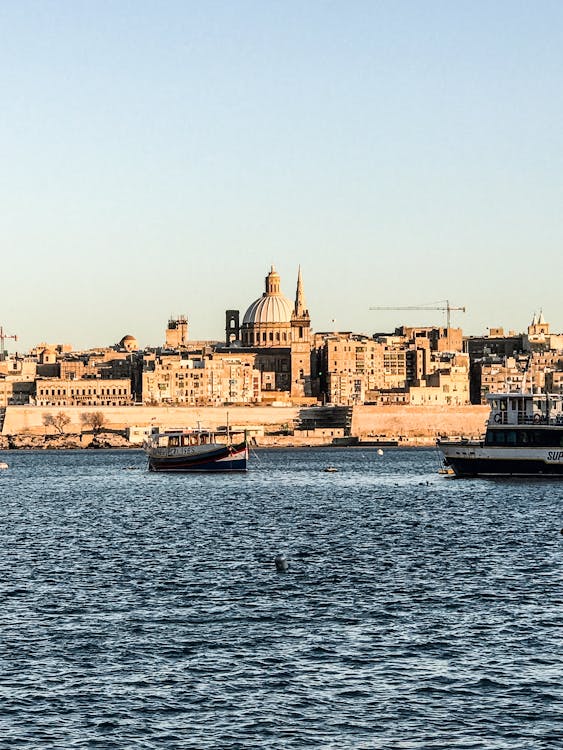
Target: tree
93, 419
59, 421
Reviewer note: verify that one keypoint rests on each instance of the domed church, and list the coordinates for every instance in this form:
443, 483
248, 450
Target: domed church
279, 332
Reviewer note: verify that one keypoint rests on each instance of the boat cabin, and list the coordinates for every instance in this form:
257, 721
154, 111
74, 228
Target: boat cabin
182, 438
525, 409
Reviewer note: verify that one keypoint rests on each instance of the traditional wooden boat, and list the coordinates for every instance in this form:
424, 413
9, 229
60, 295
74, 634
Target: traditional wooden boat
195, 450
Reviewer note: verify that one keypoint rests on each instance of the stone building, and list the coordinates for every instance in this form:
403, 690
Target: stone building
210, 380
177, 333
539, 337
356, 369
350, 366
82, 392
446, 385
437, 339
278, 333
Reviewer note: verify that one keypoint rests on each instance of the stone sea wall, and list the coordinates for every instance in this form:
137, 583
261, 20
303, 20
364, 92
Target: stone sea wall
408, 424
419, 421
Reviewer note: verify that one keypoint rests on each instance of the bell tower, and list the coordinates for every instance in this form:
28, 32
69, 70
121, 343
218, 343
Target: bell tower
232, 326
300, 344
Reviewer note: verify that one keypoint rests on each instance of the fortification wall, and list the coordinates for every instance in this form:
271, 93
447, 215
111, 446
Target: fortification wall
29, 419
368, 421
419, 421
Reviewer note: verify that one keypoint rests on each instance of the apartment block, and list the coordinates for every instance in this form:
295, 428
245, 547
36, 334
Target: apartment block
206, 381
82, 392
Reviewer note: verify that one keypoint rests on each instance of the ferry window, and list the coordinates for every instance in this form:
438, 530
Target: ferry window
511, 437
500, 437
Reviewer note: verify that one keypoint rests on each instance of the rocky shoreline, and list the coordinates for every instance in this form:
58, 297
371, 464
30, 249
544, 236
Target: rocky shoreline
64, 442
113, 441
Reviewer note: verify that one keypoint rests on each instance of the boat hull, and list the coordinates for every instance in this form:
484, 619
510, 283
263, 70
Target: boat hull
473, 461
224, 458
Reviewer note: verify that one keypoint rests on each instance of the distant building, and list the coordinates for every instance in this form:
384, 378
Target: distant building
187, 380
177, 333
82, 392
279, 334
447, 385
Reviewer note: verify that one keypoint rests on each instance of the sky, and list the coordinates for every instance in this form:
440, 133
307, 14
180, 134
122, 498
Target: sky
158, 157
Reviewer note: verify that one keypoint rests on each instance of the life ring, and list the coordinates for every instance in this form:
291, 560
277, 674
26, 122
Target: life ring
498, 418
537, 418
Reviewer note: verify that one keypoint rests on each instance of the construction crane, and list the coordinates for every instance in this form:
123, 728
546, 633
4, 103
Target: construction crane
444, 306
3, 337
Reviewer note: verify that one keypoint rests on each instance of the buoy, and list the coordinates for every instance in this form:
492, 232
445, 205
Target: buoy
331, 468
380, 451
3, 465
281, 563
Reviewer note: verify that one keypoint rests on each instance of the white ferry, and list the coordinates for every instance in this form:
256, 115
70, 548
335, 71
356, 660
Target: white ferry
524, 437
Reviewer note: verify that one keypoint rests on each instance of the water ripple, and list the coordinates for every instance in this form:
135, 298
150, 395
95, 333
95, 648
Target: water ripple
145, 611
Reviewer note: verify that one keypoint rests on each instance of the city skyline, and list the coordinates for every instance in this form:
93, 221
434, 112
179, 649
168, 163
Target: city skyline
12, 342
159, 158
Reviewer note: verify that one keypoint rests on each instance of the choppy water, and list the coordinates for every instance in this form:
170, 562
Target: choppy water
142, 610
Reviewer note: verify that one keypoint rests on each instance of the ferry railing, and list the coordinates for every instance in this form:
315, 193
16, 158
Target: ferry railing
502, 418
540, 419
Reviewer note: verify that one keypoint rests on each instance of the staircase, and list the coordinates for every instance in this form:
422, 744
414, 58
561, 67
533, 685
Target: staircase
325, 417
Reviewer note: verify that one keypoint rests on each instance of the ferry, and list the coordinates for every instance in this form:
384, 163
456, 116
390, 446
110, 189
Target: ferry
195, 450
523, 438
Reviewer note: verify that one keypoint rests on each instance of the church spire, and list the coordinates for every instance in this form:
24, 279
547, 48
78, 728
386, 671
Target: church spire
300, 305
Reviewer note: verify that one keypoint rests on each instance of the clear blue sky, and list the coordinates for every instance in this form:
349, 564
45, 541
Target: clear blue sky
158, 157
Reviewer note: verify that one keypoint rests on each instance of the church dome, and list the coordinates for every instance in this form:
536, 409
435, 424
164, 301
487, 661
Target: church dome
129, 343
271, 307
268, 310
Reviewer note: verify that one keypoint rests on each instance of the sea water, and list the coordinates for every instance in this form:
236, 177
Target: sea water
143, 610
